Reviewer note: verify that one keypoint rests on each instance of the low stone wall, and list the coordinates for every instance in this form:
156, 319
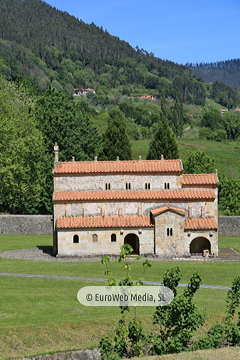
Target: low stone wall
72, 355
42, 225
229, 225
26, 224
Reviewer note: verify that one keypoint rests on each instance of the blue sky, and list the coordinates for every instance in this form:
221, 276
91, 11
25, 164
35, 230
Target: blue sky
178, 30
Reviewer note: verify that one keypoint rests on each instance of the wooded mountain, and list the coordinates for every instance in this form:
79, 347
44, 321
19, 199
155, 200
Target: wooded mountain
227, 72
52, 47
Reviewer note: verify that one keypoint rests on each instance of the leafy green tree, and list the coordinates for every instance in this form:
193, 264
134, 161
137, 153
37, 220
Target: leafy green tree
70, 125
229, 195
21, 151
179, 319
232, 125
115, 141
163, 143
198, 162
212, 119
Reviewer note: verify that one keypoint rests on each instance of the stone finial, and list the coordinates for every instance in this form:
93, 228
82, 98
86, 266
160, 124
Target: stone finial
95, 158
120, 211
216, 172
140, 158
162, 157
56, 153
117, 159
73, 158
190, 213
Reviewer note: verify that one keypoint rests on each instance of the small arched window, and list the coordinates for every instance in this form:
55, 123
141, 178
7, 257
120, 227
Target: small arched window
75, 239
169, 232
113, 238
95, 238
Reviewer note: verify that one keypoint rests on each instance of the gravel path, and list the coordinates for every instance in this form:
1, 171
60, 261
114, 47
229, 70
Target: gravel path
103, 280
45, 254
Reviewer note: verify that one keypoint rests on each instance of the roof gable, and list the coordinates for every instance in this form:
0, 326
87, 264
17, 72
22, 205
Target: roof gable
164, 209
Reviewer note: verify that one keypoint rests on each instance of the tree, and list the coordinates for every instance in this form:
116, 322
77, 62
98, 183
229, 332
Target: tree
115, 141
198, 162
21, 151
163, 143
211, 119
70, 125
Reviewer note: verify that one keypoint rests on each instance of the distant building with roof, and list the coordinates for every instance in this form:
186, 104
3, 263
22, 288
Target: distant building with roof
79, 91
149, 204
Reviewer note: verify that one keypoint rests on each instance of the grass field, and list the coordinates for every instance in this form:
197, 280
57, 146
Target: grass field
219, 354
43, 315
226, 153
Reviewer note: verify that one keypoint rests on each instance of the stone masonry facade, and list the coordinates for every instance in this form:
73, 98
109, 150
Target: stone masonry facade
148, 204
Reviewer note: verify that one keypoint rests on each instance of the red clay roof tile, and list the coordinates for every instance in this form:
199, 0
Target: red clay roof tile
108, 167
201, 224
167, 208
103, 222
203, 194
199, 179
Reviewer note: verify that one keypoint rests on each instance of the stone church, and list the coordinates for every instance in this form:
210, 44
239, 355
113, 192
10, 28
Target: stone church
149, 204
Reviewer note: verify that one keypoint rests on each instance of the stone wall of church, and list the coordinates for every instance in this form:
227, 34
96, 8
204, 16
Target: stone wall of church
103, 246
117, 182
193, 209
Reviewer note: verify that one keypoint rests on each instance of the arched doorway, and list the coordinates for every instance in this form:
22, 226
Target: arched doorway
132, 240
199, 244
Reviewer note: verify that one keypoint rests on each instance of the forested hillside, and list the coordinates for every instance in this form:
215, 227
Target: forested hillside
227, 72
54, 48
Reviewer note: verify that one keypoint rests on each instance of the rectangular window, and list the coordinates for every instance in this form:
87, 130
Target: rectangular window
166, 186
147, 186
169, 232
128, 186
107, 186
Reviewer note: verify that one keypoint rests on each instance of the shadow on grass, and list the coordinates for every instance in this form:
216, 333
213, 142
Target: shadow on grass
46, 249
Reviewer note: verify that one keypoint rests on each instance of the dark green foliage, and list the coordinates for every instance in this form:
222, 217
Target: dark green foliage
178, 320
70, 125
224, 71
163, 143
21, 151
232, 125
115, 141
224, 94
198, 163
226, 333
57, 49
191, 90
229, 195
212, 119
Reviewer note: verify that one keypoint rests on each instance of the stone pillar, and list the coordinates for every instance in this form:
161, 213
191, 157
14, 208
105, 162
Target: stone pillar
56, 152
190, 211
140, 210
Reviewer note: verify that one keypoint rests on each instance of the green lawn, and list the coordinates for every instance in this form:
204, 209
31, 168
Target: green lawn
17, 242
39, 315
226, 153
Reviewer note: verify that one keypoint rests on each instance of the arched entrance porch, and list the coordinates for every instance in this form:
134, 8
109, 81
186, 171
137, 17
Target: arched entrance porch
133, 240
199, 244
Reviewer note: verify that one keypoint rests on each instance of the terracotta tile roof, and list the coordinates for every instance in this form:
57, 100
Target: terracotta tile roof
201, 224
167, 208
199, 179
110, 167
111, 195
103, 222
